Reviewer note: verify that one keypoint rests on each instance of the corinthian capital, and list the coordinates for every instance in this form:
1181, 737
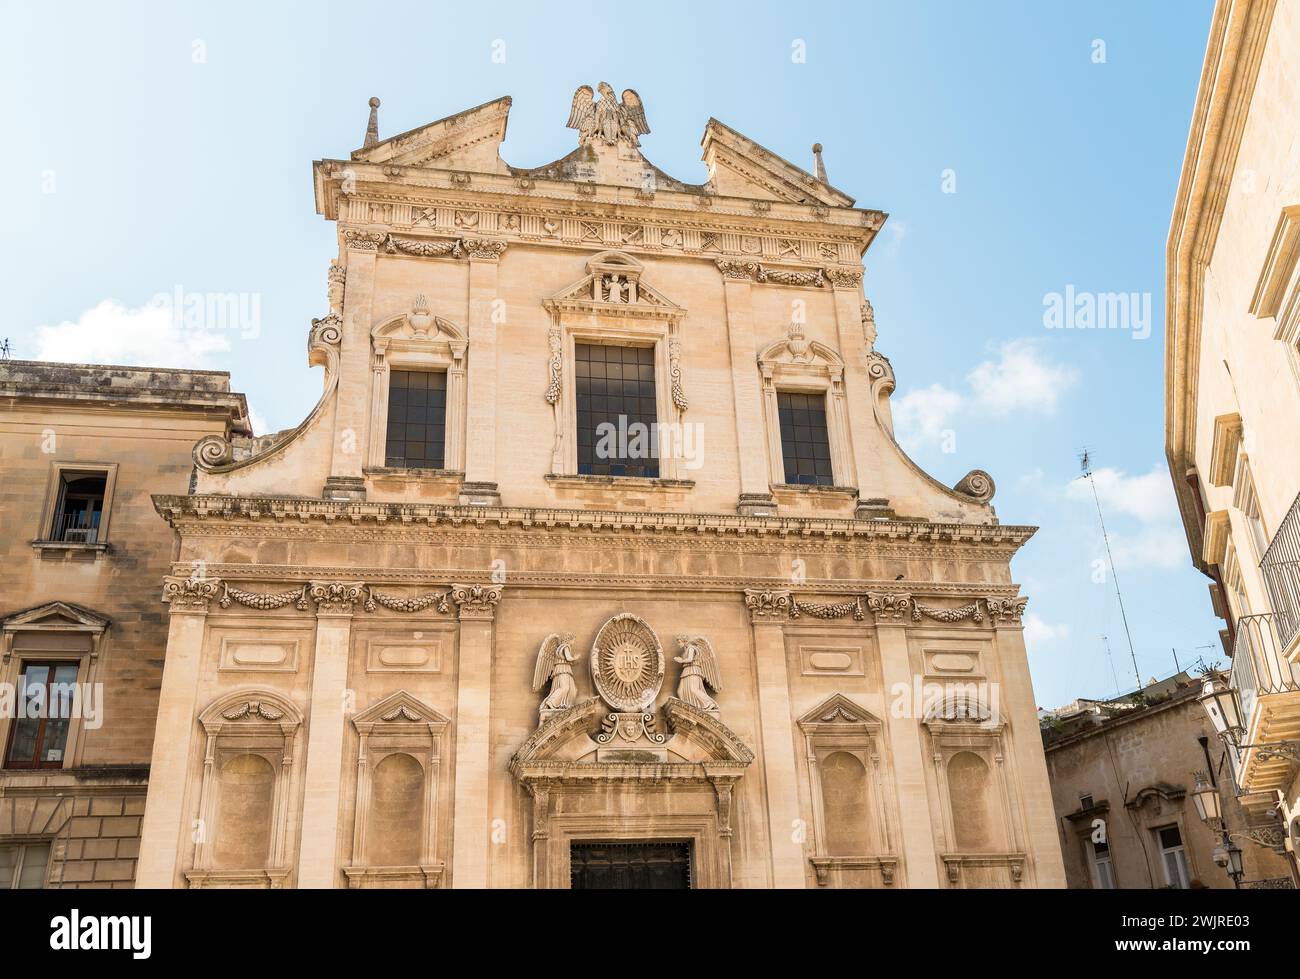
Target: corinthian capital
891, 607
335, 597
767, 606
190, 594
476, 601
1006, 610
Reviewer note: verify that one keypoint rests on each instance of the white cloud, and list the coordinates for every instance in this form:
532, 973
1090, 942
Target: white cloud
1037, 631
260, 427
920, 416
1019, 381
1149, 497
1163, 547
146, 336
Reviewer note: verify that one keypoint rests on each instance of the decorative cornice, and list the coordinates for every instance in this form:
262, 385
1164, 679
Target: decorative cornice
184, 512
189, 594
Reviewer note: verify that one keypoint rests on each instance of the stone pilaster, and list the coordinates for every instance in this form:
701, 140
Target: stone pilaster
476, 608
352, 410
892, 613
164, 819
485, 307
319, 860
755, 481
769, 611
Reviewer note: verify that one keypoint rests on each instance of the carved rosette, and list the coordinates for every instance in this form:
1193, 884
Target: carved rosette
1004, 611
768, 606
335, 597
627, 663
476, 601
889, 607
190, 594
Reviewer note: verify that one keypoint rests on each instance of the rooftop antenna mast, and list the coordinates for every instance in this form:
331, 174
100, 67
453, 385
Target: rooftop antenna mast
1085, 464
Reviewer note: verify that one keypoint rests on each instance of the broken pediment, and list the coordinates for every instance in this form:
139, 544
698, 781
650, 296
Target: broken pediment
740, 167
468, 140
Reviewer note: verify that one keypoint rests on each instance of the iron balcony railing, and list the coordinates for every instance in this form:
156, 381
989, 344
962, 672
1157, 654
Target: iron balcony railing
1258, 666
1281, 570
74, 528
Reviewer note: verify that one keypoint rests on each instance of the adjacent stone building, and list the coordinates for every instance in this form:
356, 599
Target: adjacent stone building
1232, 384
81, 451
1123, 772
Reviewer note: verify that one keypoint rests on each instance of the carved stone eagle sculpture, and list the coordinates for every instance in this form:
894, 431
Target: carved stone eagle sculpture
607, 120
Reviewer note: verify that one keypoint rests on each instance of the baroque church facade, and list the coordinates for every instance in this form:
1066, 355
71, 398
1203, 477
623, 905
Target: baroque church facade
597, 562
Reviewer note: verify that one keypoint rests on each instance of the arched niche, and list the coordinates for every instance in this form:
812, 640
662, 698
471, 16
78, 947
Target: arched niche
848, 779
242, 830
399, 774
418, 341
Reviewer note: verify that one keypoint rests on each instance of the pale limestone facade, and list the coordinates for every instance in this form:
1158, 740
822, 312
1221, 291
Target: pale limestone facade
90, 600
1233, 376
359, 653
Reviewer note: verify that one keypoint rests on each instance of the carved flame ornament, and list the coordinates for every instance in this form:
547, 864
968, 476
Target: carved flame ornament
627, 663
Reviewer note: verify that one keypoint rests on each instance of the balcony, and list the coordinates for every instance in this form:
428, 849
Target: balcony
1281, 570
1268, 687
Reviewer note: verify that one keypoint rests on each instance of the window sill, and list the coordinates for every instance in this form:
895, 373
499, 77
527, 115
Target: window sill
408, 472
813, 489
71, 546
619, 482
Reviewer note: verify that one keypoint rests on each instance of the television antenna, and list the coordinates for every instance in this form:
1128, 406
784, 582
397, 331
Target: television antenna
1085, 464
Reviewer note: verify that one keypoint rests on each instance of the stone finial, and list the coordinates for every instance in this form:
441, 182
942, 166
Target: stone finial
820, 167
372, 127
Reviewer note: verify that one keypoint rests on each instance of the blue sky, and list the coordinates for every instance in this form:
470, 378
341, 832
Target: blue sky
150, 146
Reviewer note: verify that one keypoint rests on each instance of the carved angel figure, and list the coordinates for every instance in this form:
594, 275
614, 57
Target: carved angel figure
609, 119
699, 670
555, 661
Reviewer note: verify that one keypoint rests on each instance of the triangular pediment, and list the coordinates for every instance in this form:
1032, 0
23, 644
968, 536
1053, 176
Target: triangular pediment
838, 709
57, 616
740, 167
468, 140
399, 708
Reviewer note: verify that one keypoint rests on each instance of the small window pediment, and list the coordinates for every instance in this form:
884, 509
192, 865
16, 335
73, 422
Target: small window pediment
614, 284
838, 712
59, 617
400, 710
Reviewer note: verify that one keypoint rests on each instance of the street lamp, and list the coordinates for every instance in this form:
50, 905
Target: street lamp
1221, 703
1208, 804
1235, 870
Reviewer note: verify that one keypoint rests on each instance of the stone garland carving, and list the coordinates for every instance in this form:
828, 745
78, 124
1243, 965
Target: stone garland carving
554, 364
252, 708
885, 607
396, 604
401, 713
834, 611
789, 277
262, 601
423, 249
335, 280
189, 594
